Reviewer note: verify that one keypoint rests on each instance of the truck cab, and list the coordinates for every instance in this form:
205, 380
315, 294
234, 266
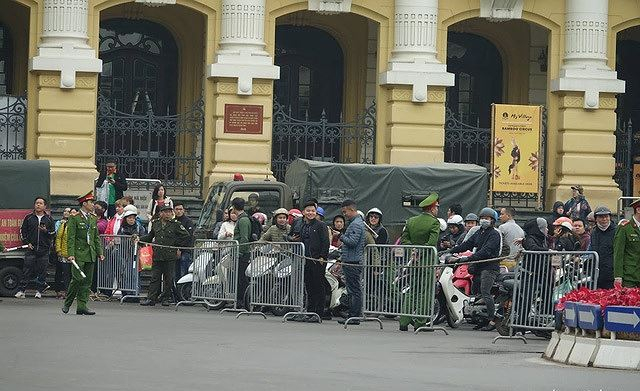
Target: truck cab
263, 196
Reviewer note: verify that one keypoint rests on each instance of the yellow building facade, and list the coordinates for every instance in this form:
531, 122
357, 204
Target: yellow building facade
193, 91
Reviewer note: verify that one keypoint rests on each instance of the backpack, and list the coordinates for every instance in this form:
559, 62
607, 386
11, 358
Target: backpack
61, 241
256, 229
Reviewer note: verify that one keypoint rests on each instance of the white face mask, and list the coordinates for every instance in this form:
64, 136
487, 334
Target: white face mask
485, 223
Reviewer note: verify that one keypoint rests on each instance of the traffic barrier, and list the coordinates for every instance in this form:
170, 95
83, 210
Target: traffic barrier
214, 270
541, 279
400, 281
614, 353
276, 280
119, 270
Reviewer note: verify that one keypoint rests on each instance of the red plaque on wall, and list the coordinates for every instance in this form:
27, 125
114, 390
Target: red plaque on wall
244, 119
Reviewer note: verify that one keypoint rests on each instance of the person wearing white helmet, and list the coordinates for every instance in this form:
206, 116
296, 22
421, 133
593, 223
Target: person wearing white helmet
374, 220
487, 242
279, 228
454, 234
566, 239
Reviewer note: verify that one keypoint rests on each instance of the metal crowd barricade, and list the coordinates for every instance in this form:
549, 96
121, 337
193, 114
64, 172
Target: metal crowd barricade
542, 278
119, 270
276, 280
214, 273
400, 281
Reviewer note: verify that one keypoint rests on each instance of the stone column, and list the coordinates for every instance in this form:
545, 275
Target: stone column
242, 52
416, 115
63, 45
242, 56
586, 87
67, 70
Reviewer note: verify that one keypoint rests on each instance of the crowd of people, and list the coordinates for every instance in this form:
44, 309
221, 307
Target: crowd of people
491, 235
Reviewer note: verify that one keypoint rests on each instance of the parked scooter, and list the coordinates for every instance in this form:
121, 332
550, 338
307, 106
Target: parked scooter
270, 281
460, 306
212, 286
337, 302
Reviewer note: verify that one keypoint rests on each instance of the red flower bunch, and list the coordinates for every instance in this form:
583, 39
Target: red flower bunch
629, 297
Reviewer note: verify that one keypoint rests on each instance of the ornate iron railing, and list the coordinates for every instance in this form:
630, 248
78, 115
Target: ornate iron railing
345, 142
469, 144
13, 126
168, 148
624, 156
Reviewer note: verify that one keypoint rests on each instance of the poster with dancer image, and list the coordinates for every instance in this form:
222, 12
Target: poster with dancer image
516, 148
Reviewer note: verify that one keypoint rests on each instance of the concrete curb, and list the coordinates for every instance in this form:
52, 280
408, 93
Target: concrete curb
618, 354
584, 351
563, 350
551, 348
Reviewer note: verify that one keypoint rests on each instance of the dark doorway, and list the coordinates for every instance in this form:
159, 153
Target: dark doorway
311, 72
140, 61
477, 65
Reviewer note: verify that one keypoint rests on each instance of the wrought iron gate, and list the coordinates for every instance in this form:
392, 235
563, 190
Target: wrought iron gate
624, 156
168, 148
464, 143
13, 126
352, 142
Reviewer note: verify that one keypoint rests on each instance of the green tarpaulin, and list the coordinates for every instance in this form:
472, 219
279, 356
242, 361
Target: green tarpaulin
22, 181
395, 190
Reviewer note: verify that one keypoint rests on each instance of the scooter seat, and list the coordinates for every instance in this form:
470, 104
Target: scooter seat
505, 276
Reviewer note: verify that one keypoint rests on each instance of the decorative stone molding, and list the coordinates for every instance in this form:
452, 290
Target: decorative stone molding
585, 67
501, 10
330, 6
242, 52
155, 3
413, 60
64, 45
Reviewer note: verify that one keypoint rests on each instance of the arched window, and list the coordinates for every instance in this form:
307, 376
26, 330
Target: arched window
5, 61
139, 71
311, 72
477, 65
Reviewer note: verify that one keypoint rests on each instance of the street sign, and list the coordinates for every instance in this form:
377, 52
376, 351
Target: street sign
571, 314
625, 319
589, 316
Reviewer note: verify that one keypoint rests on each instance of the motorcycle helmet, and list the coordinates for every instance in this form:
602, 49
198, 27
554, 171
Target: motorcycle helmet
443, 224
561, 220
567, 225
294, 214
280, 211
471, 217
320, 211
488, 212
261, 217
374, 210
602, 211
455, 220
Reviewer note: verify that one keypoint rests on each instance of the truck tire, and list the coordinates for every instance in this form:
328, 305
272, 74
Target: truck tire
9, 279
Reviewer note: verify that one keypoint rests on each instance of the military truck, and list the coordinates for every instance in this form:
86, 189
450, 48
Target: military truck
22, 182
396, 190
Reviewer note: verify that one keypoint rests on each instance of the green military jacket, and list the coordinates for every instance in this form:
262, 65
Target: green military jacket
83, 239
423, 230
626, 253
171, 233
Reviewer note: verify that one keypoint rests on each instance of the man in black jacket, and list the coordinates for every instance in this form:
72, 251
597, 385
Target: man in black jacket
488, 242
182, 266
117, 185
315, 236
37, 232
602, 243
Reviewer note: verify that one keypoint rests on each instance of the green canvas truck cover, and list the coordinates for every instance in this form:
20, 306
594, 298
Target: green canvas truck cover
394, 189
22, 181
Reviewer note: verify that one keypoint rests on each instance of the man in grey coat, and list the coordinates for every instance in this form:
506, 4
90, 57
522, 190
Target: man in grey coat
353, 243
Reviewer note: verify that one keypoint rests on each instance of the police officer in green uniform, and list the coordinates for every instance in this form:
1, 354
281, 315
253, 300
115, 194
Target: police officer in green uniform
626, 251
83, 247
422, 230
166, 231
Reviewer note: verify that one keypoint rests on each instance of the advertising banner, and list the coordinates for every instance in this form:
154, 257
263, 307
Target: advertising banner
10, 223
516, 148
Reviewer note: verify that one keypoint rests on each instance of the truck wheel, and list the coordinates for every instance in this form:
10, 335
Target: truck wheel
9, 279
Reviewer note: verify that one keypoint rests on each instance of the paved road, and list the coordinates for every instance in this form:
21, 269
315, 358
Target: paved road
134, 348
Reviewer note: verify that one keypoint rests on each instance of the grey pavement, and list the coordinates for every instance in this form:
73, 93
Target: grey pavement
128, 347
